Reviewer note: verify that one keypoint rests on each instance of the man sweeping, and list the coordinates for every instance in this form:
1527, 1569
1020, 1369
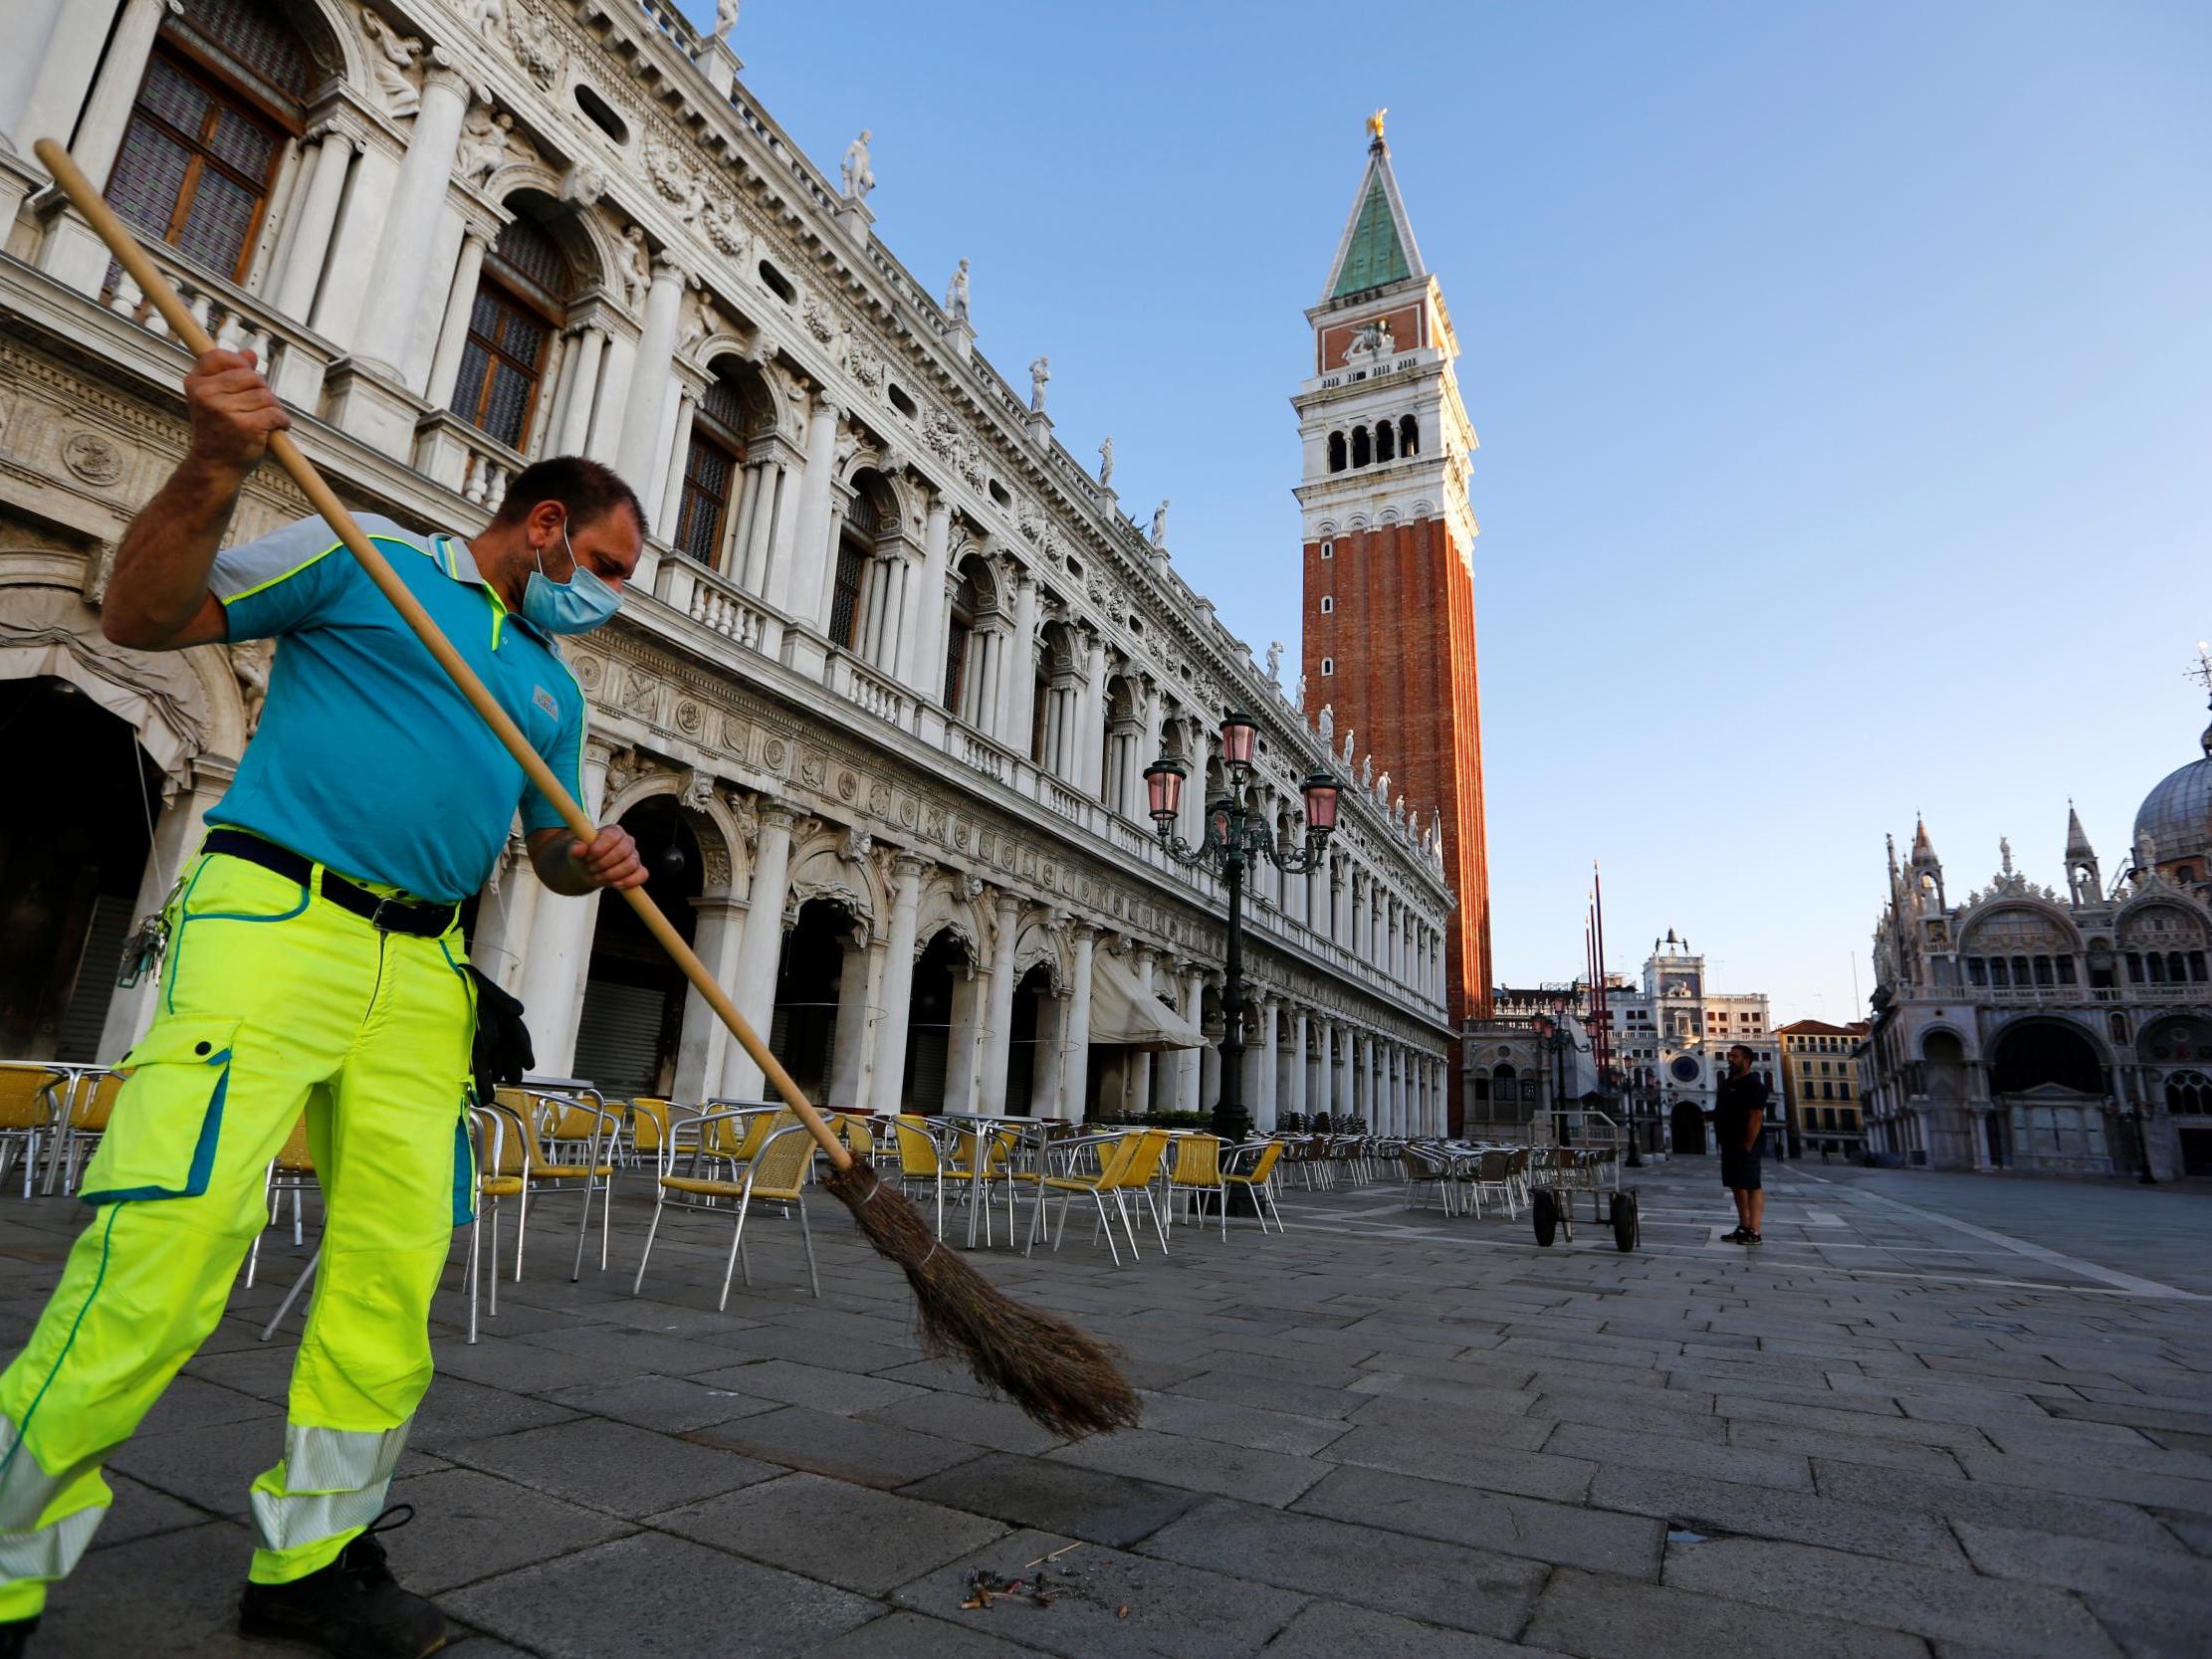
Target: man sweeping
314, 964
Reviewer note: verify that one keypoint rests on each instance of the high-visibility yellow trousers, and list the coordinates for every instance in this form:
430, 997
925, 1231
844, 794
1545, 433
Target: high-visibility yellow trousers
273, 1001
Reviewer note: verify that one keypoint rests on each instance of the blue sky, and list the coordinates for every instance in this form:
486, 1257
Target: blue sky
1842, 375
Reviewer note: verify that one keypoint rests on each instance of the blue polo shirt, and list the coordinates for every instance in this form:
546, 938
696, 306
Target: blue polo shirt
367, 758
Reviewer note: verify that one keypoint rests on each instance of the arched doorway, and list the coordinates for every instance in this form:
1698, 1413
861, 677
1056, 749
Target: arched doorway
1689, 1129
1027, 1048
939, 973
809, 985
70, 869
633, 996
2047, 1080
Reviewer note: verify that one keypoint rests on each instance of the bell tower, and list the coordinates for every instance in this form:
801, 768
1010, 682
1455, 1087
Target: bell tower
1388, 625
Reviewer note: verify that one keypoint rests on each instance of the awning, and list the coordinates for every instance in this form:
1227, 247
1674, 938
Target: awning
1124, 1012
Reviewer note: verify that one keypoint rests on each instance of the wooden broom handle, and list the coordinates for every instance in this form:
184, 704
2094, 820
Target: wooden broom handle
166, 299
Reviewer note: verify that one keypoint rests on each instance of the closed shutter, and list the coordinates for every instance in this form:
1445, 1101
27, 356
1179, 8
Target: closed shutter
619, 1038
927, 1051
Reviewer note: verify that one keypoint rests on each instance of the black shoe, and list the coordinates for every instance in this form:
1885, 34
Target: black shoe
1736, 1237
353, 1607
15, 1637
1753, 1238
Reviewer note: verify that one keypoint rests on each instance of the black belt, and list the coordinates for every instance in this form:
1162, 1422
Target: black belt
418, 917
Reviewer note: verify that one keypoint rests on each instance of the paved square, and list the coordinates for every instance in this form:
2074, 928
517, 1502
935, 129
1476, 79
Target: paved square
1933, 1416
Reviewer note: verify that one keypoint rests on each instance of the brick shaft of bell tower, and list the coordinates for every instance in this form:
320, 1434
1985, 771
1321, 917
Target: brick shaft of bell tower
1394, 654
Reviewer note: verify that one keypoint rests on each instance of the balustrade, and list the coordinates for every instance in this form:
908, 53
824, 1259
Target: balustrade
865, 688
714, 602
293, 359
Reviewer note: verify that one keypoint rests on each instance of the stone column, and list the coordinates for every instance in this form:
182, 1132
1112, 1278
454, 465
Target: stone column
579, 390
963, 1047
53, 46
1049, 1074
761, 952
666, 506
1298, 1059
500, 943
648, 388
1076, 1040
758, 542
1016, 676
889, 1093
921, 664
998, 1010
560, 947
718, 931
315, 217
617, 364
1189, 1062
857, 1010
48, 83
799, 584
397, 273
1324, 1075
1092, 780
453, 333
1268, 1051
1137, 1093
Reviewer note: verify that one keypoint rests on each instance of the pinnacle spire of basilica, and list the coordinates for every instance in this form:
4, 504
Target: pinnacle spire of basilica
2077, 838
1923, 851
1378, 246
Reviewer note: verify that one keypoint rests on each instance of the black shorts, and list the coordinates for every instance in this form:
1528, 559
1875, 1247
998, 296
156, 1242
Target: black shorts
1739, 1169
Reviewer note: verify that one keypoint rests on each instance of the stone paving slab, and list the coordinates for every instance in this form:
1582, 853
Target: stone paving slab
1383, 1435
1110, 1605
1436, 1583
849, 1535
658, 1597
2038, 1622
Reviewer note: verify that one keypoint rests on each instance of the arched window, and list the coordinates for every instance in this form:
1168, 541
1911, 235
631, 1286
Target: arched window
2189, 1093
1361, 454
520, 298
1386, 442
1328, 667
1336, 452
1328, 604
856, 544
1408, 435
711, 471
224, 91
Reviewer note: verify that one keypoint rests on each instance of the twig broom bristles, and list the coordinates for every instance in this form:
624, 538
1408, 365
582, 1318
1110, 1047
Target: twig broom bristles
1063, 1378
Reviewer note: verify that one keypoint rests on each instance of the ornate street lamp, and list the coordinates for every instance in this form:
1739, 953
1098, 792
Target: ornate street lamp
1232, 836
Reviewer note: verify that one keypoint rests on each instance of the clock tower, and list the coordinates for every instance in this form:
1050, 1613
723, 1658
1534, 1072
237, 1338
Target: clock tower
1389, 623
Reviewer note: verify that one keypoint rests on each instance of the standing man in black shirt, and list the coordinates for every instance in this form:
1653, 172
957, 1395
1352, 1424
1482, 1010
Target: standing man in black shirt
1740, 1120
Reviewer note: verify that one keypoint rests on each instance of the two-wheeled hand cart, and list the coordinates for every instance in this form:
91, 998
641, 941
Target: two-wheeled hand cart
1557, 1173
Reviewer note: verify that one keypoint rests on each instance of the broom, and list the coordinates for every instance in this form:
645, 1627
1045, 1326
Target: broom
1063, 1378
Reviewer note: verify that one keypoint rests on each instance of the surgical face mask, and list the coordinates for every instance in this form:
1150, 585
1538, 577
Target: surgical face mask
575, 606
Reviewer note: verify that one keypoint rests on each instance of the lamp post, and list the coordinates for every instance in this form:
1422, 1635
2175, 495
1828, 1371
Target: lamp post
1232, 839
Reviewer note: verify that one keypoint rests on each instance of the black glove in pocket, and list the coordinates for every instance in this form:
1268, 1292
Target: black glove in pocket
502, 1052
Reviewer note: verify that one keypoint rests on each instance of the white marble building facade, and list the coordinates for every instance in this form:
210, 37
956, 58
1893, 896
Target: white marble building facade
880, 699
2058, 1030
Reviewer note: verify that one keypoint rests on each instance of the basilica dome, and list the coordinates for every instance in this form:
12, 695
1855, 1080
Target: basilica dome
2177, 814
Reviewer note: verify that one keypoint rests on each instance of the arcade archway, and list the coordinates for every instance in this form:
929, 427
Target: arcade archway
72, 856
